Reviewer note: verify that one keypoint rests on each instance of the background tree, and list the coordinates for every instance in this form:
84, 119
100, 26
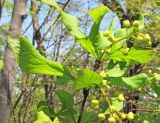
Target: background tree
8, 72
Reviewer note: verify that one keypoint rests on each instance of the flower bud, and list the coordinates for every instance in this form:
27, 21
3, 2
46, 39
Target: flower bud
126, 23
101, 116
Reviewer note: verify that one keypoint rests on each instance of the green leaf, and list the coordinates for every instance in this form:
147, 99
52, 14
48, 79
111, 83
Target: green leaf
43, 106
87, 44
97, 15
117, 53
118, 105
116, 70
51, 3
156, 87
89, 117
42, 118
70, 21
56, 120
71, 24
86, 78
133, 56
146, 117
141, 21
66, 109
158, 2
134, 82
30, 61
115, 47
141, 56
64, 96
124, 33
67, 77
67, 104
1, 64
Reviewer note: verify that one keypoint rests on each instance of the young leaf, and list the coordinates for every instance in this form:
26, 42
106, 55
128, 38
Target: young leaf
117, 104
134, 82
87, 44
30, 61
51, 3
97, 15
116, 70
42, 118
89, 117
71, 23
86, 78
124, 33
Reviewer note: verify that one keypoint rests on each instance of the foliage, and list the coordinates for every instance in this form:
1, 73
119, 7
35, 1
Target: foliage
114, 58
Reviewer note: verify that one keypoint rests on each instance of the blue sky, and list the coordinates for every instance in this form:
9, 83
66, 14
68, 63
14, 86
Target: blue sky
72, 9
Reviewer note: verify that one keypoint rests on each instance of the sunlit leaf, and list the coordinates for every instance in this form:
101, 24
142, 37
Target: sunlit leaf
134, 82
42, 118
87, 44
56, 120
86, 78
97, 15
51, 3
71, 23
30, 61
124, 33
133, 56
116, 70
118, 105
141, 56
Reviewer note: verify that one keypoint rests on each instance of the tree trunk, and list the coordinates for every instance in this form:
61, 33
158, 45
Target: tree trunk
1, 6
8, 72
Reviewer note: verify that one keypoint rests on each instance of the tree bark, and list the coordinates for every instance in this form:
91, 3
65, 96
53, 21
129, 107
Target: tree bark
8, 73
1, 6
